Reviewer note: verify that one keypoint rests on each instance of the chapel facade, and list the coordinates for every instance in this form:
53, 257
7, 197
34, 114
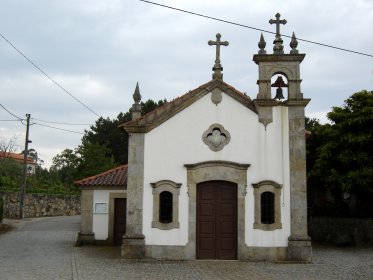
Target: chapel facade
214, 174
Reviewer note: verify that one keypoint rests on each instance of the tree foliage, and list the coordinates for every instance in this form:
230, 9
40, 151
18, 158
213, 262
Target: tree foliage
64, 167
340, 154
106, 132
103, 147
94, 159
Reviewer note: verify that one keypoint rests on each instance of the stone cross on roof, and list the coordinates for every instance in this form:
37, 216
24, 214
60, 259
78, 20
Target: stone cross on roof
217, 67
278, 47
278, 22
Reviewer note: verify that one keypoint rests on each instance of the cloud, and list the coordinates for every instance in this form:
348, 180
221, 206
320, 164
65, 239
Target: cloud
98, 50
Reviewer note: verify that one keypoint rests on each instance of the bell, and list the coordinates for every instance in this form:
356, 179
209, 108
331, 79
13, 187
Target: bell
279, 94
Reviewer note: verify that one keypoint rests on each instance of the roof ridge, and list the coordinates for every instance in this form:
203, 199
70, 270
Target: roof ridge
167, 106
161, 114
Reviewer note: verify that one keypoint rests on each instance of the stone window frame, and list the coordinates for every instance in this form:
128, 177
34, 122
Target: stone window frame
158, 188
259, 188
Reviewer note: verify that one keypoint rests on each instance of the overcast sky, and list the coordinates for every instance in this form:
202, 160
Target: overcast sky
98, 50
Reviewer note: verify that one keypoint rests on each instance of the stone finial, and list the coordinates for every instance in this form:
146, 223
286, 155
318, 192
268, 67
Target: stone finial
293, 44
137, 95
278, 48
136, 107
218, 68
262, 44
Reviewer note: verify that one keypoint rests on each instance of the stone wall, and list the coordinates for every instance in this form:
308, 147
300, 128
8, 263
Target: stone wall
40, 205
341, 231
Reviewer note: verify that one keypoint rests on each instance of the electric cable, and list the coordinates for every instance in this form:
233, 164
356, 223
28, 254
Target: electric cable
11, 112
46, 75
255, 28
58, 128
60, 122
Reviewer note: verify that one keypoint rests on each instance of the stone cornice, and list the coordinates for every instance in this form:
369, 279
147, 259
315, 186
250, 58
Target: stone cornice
214, 163
267, 102
289, 103
274, 58
297, 102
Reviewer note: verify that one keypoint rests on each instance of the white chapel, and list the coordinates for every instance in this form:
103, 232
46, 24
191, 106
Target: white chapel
214, 174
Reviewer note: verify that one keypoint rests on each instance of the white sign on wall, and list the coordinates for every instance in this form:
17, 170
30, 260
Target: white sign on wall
101, 208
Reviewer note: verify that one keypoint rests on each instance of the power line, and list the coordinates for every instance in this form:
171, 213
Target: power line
58, 128
49, 77
254, 28
10, 112
60, 122
10, 120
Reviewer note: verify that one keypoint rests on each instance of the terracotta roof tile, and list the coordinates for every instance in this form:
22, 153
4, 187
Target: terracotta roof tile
116, 177
16, 157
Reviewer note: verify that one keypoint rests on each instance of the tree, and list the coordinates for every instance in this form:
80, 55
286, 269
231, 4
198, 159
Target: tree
7, 146
65, 166
346, 156
94, 159
340, 154
9, 167
103, 147
10, 170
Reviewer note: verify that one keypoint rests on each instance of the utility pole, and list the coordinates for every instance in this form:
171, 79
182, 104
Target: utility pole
25, 157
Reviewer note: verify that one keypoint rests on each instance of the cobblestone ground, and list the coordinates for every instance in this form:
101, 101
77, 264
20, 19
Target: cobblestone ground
328, 263
38, 248
43, 249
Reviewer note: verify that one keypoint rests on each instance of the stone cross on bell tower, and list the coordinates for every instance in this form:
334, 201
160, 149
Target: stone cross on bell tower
217, 67
278, 48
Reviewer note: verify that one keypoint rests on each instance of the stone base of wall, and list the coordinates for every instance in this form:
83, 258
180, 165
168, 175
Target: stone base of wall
341, 231
250, 253
85, 239
39, 205
133, 247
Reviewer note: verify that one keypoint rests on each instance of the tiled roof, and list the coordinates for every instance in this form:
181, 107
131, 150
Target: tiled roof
116, 177
163, 113
16, 157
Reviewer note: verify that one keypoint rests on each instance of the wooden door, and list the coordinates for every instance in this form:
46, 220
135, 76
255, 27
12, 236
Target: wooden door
119, 220
216, 236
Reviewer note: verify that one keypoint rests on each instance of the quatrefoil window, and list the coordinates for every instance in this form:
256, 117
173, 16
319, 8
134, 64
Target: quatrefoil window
216, 137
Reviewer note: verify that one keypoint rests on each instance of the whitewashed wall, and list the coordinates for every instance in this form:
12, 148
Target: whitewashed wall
178, 141
101, 221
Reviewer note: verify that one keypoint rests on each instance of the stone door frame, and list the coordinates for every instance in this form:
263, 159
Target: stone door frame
216, 171
112, 196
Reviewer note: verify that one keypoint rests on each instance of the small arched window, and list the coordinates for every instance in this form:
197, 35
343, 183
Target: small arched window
165, 207
267, 205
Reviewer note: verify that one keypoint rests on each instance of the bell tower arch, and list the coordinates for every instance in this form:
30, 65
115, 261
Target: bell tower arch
287, 65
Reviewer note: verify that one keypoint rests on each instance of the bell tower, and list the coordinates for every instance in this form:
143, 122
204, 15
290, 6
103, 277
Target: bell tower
288, 67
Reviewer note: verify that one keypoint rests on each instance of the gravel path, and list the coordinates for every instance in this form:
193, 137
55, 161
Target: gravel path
44, 249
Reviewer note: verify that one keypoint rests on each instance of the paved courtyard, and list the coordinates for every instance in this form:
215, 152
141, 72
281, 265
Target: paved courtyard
43, 248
